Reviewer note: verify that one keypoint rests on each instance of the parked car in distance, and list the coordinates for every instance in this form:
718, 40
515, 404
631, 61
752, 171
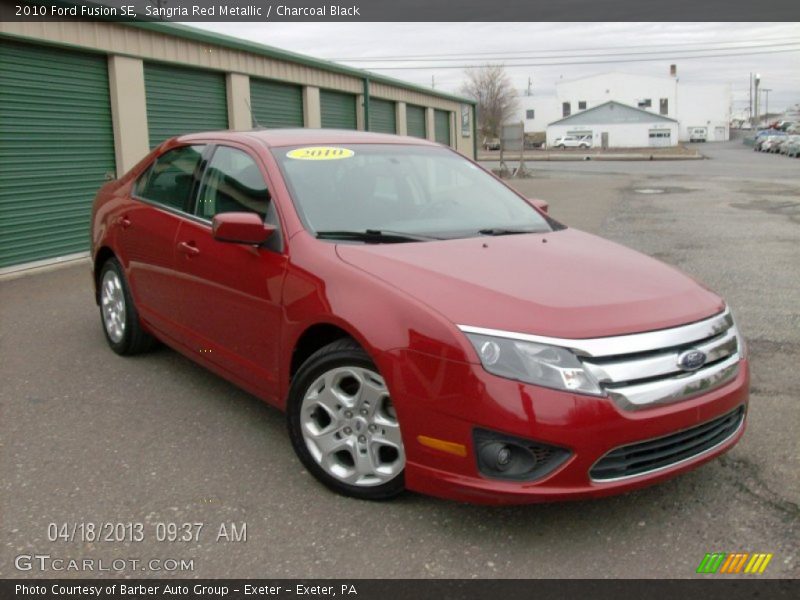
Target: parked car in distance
422, 324
491, 144
698, 134
791, 146
771, 143
764, 140
573, 141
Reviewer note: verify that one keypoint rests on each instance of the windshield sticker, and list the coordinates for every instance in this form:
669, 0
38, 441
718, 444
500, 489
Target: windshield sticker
320, 153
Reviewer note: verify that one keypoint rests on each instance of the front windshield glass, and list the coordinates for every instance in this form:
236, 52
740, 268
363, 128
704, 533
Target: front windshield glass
402, 189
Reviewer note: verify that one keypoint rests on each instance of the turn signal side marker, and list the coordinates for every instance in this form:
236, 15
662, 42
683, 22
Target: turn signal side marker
444, 446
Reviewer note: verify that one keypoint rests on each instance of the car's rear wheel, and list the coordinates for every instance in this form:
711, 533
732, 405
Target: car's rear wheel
118, 314
343, 424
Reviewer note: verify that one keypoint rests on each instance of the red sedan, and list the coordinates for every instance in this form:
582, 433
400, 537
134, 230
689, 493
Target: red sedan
422, 325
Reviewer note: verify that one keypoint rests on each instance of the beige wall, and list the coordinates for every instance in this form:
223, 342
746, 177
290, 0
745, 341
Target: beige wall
129, 46
128, 111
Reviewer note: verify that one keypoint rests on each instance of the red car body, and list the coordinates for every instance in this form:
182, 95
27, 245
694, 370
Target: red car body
251, 315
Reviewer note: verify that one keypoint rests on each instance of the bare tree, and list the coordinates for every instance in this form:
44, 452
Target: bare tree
490, 86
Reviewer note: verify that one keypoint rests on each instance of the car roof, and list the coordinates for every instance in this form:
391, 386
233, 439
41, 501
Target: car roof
292, 137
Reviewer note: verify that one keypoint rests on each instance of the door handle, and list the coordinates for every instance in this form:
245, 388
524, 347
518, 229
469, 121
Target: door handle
124, 222
188, 249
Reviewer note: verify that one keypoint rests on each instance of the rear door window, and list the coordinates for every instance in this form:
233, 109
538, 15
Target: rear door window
171, 179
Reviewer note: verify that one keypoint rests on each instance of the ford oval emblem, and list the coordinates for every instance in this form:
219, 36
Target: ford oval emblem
691, 360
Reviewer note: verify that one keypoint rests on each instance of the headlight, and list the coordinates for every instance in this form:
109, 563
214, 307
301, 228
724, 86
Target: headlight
539, 364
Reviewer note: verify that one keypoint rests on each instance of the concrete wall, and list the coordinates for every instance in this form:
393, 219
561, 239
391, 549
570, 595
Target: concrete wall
545, 111
705, 105
627, 135
624, 88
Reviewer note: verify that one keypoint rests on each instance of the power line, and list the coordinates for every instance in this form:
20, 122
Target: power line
505, 58
666, 47
591, 62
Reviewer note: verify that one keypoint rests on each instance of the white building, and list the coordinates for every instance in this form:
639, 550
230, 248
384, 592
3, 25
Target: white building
692, 105
538, 112
616, 125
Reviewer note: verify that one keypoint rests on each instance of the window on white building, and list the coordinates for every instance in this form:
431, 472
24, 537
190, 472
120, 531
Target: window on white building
581, 104
529, 114
663, 107
566, 109
645, 103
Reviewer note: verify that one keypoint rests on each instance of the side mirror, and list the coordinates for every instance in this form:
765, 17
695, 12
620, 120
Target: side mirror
241, 228
540, 204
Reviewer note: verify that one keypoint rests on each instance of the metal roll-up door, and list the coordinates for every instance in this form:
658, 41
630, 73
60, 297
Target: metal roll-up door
382, 116
56, 146
441, 122
415, 121
183, 101
338, 110
276, 104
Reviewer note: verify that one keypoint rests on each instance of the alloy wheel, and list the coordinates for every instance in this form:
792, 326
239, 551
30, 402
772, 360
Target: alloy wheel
112, 300
350, 427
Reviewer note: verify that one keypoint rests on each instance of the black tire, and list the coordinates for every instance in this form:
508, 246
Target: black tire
135, 339
341, 353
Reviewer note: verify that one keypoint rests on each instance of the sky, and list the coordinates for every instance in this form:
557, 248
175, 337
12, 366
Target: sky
780, 72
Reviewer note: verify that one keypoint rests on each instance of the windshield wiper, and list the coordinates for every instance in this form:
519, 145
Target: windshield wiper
375, 236
506, 231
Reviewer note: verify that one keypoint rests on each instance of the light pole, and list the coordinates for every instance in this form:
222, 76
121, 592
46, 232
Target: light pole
756, 81
766, 104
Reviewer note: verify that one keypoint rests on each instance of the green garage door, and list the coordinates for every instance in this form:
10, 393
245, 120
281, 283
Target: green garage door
183, 101
441, 121
338, 109
56, 145
415, 121
382, 116
276, 104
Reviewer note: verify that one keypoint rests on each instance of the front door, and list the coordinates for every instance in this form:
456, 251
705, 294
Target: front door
231, 293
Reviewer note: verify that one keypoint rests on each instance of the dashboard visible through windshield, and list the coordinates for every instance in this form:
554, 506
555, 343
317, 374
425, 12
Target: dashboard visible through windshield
397, 189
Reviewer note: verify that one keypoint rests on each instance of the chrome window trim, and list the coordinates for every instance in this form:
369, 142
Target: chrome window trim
671, 465
661, 339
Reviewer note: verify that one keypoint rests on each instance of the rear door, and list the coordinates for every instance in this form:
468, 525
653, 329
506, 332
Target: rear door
146, 230
230, 293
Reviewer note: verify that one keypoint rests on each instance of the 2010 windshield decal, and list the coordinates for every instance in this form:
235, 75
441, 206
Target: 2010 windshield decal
320, 153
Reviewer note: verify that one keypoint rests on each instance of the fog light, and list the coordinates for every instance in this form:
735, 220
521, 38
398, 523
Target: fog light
502, 456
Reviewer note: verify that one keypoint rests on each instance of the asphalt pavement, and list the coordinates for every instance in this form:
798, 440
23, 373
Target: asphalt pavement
87, 437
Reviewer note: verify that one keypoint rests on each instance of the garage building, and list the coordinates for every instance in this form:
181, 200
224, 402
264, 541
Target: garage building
84, 101
616, 125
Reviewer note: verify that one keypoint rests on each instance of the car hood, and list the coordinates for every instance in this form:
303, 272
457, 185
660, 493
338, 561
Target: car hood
563, 284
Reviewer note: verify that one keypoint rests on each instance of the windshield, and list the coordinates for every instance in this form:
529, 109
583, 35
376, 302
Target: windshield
401, 189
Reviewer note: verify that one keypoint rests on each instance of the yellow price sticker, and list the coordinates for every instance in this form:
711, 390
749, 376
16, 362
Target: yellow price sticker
320, 153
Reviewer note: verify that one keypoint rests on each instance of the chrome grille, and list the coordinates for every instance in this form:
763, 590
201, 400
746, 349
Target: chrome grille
652, 374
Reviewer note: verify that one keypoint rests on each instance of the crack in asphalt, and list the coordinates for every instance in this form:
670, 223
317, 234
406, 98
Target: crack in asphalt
746, 478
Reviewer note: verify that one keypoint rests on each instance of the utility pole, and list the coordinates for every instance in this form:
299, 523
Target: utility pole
750, 100
756, 81
530, 83
433, 82
766, 104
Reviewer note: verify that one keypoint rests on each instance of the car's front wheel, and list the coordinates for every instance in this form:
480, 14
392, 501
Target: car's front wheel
343, 424
120, 319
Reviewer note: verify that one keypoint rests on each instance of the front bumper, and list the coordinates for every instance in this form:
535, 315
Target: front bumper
447, 400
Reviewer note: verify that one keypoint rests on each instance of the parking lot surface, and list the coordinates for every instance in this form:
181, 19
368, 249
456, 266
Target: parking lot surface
90, 437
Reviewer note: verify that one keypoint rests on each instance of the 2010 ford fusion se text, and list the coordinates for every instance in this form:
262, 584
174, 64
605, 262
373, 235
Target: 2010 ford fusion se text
423, 326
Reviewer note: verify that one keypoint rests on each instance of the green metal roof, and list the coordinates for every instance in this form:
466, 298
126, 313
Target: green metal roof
218, 39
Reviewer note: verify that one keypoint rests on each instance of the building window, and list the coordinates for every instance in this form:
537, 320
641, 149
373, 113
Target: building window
529, 114
581, 104
663, 107
566, 109
645, 103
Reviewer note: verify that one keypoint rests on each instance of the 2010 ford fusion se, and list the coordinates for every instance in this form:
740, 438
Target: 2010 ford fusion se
423, 325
